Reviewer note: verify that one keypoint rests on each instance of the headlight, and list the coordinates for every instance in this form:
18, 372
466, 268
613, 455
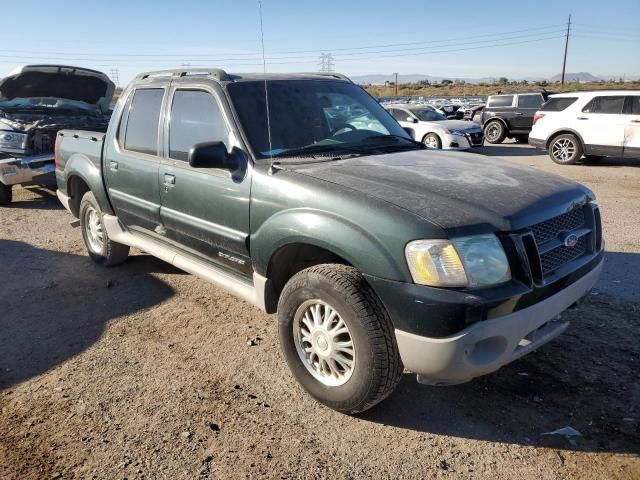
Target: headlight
456, 132
476, 261
13, 140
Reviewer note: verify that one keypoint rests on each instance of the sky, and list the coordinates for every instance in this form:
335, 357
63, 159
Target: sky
462, 39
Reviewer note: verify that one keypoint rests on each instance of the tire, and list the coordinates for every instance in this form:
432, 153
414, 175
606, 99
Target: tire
101, 248
432, 140
565, 149
376, 367
6, 194
495, 131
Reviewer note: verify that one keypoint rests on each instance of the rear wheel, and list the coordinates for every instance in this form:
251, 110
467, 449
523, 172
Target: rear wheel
494, 131
101, 248
337, 338
6, 194
432, 140
565, 149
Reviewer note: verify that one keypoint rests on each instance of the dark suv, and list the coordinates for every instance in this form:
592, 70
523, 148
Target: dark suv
511, 115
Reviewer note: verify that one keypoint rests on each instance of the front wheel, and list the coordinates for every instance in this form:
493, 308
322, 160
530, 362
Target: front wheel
494, 132
431, 140
337, 338
101, 248
565, 149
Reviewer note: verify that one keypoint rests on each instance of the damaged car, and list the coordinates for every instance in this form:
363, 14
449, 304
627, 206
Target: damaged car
36, 101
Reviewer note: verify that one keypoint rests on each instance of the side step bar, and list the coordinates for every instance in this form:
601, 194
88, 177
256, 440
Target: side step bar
254, 294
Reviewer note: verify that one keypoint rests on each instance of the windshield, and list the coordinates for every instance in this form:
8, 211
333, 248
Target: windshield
52, 103
428, 115
311, 114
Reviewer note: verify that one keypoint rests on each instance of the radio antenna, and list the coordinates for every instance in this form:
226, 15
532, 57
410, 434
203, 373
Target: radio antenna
266, 89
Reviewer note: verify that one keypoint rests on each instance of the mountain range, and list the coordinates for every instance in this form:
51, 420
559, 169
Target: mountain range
380, 79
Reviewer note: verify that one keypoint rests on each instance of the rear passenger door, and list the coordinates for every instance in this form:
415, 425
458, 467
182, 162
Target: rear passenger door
632, 127
602, 125
528, 105
205, 211
132, 161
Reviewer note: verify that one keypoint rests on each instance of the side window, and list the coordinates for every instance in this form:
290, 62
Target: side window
400, 115
558, 104
195, 118
500, 101
635, 105
142, 126
530, 101
605, 105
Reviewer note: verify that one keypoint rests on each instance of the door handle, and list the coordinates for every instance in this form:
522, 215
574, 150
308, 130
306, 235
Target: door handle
169, 180
635, 121
517, 113
113, 165
582, 118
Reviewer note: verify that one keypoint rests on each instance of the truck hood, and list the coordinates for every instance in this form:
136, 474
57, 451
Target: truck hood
463, 193
58, 81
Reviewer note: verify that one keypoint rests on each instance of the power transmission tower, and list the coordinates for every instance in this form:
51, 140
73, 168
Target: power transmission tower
325, 62
566, 46
115, 76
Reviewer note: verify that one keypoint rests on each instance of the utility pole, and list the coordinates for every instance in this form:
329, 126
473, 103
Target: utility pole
325, 62
396, 84
566, 46
115, 76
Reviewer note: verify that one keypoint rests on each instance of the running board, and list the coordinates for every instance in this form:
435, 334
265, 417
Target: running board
253, 294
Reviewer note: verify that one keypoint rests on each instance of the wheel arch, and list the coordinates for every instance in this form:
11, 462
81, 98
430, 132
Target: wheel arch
564, 131
497, 119
82, 176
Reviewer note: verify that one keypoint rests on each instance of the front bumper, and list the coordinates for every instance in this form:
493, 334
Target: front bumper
14, 171
485, 346
461, 142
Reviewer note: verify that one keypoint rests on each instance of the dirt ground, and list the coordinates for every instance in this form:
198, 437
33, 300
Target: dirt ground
142, 371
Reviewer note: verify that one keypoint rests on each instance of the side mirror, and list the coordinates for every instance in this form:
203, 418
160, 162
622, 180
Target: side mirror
209, 155
412, 120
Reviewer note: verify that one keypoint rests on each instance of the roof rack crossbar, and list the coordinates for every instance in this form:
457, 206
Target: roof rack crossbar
216, 73
339, 76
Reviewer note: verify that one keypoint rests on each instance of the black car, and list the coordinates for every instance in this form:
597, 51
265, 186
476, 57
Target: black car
470, 112
511, 115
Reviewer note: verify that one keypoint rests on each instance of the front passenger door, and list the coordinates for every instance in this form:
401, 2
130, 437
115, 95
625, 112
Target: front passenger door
204, 210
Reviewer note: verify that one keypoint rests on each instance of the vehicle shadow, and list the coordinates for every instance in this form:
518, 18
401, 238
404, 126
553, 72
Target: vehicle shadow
55, 305
45, 198
508, 150
586, 379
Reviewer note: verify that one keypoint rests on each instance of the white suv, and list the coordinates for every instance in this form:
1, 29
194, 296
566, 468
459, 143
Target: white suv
593, 124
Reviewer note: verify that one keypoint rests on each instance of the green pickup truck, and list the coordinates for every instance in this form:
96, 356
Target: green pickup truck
300, 194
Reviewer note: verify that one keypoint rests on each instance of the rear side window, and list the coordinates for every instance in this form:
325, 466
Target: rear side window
603, 104
142, 125
529, 101
558, 104
635, 105
500, 101
195, 118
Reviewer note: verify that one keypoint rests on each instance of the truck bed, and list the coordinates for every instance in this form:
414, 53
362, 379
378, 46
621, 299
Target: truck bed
79, 142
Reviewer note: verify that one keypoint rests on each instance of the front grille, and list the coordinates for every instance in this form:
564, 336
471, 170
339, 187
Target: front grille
566, 222
544, 247
475, 138
557, 257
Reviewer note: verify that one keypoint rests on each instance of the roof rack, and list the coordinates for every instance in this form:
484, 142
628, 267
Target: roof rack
216, 73
339, 76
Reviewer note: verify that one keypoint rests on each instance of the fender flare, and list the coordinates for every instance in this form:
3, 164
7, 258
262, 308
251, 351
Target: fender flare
328, 231
562, 131
79, 165
499, 119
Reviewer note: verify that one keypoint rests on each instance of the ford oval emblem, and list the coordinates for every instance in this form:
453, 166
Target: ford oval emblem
571, 240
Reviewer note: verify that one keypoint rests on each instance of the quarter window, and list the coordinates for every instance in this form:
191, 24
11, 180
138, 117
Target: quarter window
558, 104
142, 125
195, 118
500, 101
529, 101
605, 105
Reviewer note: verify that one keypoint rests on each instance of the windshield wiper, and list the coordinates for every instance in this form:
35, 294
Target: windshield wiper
311, 149
391, 137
